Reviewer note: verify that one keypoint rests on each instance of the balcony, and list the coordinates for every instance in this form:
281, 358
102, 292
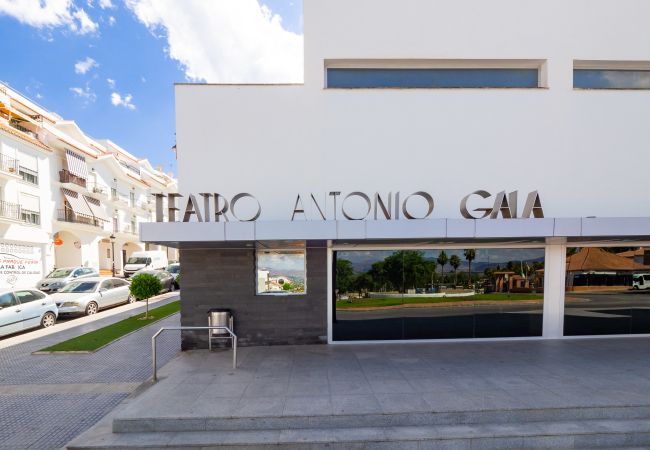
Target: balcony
68, 215
9, 166
67, 177
10, 211
27, 131
126, 229
99, 190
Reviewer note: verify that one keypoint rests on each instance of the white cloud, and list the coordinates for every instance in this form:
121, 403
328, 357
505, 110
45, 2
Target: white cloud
84, 93
111, 83
49, 14
119, 100
104, 4
225, 41
83, 66
111, 21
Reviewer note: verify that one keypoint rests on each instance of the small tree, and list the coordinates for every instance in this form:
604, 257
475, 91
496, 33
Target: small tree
454, 262
143, 287
442, 260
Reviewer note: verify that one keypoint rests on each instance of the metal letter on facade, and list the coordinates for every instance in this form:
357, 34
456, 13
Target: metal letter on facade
159, 207
320, 211
192, 207
238, 197
426, 197
206, 205
533, 205
379, 203
502, 205
298, 209
333, 194
463, 205
356, 194
171, 206
220, 211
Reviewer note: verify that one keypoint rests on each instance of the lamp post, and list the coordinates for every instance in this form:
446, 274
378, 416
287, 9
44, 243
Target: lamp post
112, 238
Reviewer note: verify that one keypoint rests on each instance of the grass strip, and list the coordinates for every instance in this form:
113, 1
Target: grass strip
392, 301
96, 339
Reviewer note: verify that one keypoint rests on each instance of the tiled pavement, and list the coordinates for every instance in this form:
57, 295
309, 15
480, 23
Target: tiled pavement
46, 400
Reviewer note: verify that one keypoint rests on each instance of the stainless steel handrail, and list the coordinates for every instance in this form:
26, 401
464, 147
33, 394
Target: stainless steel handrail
153, 344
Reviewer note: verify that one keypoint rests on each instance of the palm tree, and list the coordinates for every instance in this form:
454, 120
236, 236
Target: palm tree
442, 260
470, 255
454, 262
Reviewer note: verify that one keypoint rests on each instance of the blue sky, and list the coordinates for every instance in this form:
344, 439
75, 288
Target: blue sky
127, 94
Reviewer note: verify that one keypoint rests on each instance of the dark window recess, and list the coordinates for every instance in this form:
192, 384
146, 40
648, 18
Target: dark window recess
432, 78
28, 175
611, 79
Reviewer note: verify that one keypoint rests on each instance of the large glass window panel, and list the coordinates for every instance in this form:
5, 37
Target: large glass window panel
607, 291
379, 78
611, 79
438, 294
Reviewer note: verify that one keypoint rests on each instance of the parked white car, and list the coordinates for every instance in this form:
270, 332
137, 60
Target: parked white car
22, 309
151, 259
58, 278
89, 295
641, 281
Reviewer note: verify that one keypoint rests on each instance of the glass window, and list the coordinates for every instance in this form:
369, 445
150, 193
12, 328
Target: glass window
607, 291
432, 78
281, 272
119, 283
27, 296
611, 79
437, 294
30, 217
107, 284
80, 287
7, 300
59, 273
28, 175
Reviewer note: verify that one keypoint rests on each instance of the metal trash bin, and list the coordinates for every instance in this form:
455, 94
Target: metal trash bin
219, 317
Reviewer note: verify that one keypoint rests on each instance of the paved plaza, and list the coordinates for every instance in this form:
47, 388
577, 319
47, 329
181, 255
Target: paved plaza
545, 390
46, 400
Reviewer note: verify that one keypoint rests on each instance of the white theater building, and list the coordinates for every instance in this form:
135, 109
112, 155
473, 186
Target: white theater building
63, 195
412, 120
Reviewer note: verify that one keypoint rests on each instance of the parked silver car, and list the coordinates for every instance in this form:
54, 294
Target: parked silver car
22, 309
89, 295
175, 270
58, 278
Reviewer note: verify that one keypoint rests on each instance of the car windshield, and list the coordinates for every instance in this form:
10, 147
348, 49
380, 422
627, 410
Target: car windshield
60, 273
80, 287
174, 269
138, 260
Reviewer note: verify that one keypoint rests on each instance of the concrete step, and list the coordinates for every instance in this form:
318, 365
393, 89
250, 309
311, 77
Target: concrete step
198, 422
580, 434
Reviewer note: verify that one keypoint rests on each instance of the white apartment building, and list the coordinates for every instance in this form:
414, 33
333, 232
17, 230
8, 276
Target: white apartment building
67, 199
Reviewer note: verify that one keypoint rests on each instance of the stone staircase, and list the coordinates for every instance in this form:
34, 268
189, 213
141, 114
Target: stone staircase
546, 428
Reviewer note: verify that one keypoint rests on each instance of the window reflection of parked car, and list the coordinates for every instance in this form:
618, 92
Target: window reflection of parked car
89, 295
166, 279
22, 309
175, 270
641, 281
58, 278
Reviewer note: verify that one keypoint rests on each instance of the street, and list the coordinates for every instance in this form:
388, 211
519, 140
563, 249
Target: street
46, 400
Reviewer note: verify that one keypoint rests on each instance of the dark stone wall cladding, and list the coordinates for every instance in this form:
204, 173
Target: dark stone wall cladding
218, 278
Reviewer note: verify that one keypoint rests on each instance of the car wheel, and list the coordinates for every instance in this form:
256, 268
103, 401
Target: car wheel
48, 320
635, 287
130, 299
91, 308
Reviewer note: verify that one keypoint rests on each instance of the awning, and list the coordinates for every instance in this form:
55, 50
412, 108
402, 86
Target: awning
76, 164
77, 203
97, 209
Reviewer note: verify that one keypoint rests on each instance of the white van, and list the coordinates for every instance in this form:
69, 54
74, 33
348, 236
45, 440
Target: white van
641, 281
154, 259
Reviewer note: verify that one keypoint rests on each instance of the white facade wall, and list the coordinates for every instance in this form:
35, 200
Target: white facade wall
583, 150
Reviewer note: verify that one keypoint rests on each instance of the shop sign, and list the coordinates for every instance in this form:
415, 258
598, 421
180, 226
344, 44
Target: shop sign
209, 207
20, 265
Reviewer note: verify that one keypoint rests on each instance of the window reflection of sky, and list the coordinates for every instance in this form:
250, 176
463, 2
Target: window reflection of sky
611, 79
279, 262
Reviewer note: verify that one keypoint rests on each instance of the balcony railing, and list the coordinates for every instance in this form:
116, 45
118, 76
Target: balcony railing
67, 177
8, 165
27, 131
126, 228
10, 210
68, 215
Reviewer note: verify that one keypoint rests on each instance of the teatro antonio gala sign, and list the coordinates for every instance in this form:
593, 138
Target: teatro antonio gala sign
391, 206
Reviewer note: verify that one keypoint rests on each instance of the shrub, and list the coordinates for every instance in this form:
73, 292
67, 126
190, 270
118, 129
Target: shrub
143, 287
